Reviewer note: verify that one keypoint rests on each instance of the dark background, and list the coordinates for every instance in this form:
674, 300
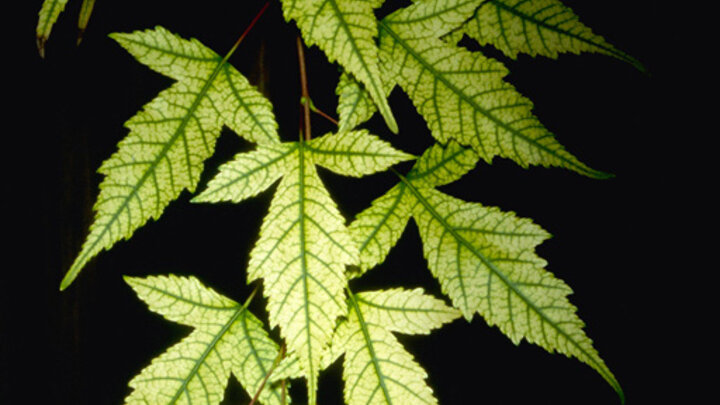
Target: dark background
609, 242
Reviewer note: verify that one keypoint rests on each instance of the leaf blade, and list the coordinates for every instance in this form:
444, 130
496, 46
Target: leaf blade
227, 338
355, 153
170, 138
544, 27
47, 16
301, 254
345, 31
504, 282
462, 96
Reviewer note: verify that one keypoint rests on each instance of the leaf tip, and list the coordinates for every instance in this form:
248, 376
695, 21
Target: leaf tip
41, 40
68, 279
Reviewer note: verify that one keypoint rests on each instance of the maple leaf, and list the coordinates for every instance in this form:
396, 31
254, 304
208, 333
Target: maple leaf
227, 338
483, 258
304, 245
172, 136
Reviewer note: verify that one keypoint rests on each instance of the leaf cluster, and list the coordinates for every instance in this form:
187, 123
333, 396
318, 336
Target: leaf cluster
307, 254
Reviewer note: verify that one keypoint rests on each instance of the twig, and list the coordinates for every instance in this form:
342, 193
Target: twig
304, 88
279, 357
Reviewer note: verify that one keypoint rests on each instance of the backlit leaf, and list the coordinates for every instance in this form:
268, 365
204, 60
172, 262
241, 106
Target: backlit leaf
47, 17
345, 30
462, 95
377, 369
538, 27
355, 153
485, 261
227, 338
172, 136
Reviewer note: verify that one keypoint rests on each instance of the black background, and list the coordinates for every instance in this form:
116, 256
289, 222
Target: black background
86, 343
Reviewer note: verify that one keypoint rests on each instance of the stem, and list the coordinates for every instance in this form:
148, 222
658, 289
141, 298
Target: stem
279, 357
304, 88
318, 111
247, 30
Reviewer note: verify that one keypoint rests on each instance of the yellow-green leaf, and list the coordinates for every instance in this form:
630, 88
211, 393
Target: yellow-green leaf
377, 228
405, 311
355, 153
47, 16
345, 30
172, 136
248, 174
462, 96
538, 27
431, 18
377, 369
484, 259
355, 105
84, 18
302, 252
227, 338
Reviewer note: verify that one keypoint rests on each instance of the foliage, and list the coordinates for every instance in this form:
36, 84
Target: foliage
306, 255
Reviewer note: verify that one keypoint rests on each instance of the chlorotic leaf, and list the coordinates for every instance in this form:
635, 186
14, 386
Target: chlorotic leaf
355, 153
227, 338
355, 106
540, 27
172, 136
377, 369
462, 96
302, 252
248, 174
405, 311
442, 165
431, 18
48, 15
377, 228
484, 260
345, 30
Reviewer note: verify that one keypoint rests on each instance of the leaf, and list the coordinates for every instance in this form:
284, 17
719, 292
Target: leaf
172, 136
345, 30
462, 95
431, 18
48, 15
540, 27
355, 105
248, 174
377, 229
301, 254
304, 245
355, 153
484, 259
227, 337
377, 369
85, 12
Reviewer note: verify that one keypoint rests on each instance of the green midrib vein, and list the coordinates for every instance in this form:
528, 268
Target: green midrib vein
204, 356
81, 260
618, 54
510, 285
438, 76
303, 263
370, 347
257, 169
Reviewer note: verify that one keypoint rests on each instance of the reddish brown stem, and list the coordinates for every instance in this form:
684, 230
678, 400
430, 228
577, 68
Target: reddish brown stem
304, 89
